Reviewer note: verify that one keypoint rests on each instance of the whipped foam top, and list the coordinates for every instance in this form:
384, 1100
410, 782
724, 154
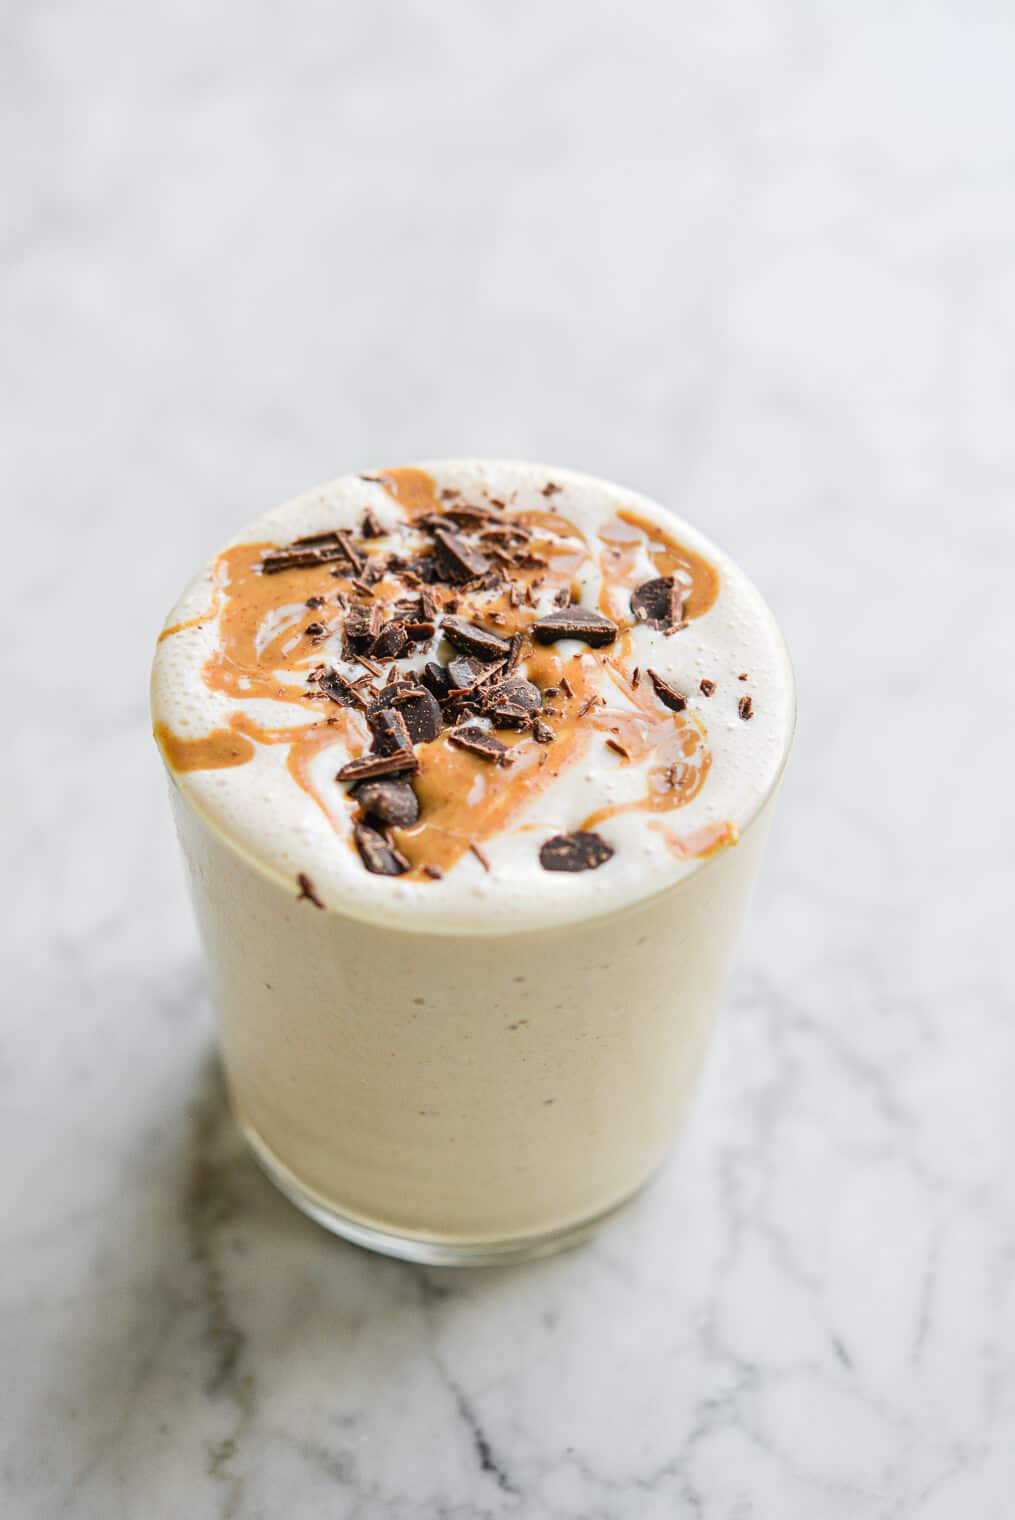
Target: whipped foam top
587, 698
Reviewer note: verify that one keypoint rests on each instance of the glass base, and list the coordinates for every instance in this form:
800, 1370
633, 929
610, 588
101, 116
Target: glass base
426, 1250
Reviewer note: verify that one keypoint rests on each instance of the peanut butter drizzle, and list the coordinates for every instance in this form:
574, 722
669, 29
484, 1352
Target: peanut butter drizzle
702, 842
217, 751
414, 490
624, 535
265, 653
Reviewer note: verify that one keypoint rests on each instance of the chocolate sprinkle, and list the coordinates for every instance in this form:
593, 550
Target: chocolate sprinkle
378, 855
582, 623
574, 852
474, 640
478, 742
668, 695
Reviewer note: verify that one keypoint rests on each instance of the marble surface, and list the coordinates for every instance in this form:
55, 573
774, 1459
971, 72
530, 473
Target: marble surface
756, 259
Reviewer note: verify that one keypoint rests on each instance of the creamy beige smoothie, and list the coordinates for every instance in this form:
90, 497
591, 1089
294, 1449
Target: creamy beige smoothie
472, 766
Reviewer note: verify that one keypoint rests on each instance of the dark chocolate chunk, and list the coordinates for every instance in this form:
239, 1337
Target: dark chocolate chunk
659, 603
745, 707
369, 766
464, 672
507, 715
436, 679
575, 623
574, 852
474, 640
478, 742
542, 732
390, 730
390, 642
362, 625
514, 692
420, 712
456, 561
429, 603
377, 853
668, 695
341, 691
390, 802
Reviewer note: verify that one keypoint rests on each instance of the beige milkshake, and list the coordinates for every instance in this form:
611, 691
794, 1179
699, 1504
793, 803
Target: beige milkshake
472, 768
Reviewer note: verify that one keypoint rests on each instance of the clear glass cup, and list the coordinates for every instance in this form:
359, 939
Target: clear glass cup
462, 1098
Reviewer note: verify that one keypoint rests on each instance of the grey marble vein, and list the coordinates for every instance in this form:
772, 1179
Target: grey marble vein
758, 260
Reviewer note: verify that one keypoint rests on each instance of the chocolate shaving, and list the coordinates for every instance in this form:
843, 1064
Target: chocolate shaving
278, 560
474, 640
307, 892
478, 742
370, 527
574, 852
582, 623
707, 687
377, 853
420, 633
390, 802
369, 766
315, 630
617, 747
542, 732
742, 676
314, 601
566, 687
551, 489
355, 556
659, 602
668, 695
484, 862
745, 707
456, 560
434, 872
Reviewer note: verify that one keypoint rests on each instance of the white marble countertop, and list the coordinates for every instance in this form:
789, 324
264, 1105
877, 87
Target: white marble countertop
758, 261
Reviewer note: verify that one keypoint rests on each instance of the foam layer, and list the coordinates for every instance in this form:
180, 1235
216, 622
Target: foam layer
249, 743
